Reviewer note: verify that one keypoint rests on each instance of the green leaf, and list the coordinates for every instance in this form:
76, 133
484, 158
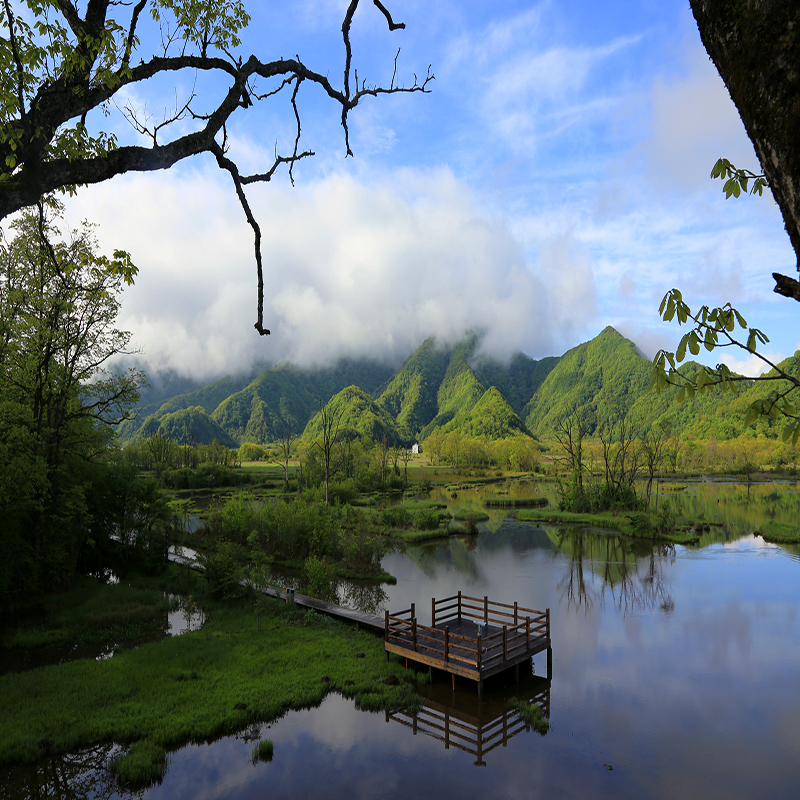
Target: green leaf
680, 353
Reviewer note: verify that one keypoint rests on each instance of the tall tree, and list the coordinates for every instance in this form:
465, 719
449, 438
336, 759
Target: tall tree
58, 401
58, 67
330, 421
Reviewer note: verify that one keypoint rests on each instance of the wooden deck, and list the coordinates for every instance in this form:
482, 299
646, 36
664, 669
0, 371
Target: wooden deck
476, 731
469, 636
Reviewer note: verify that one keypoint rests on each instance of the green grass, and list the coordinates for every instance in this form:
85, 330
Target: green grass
476, 516
531, 715
780, 533
143, 765
92, 612
239, 676
263, 751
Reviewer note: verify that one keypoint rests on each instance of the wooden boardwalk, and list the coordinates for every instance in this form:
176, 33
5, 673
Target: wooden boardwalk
475, 730
358, 618
469, 636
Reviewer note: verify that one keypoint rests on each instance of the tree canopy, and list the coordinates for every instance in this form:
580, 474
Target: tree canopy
62, 69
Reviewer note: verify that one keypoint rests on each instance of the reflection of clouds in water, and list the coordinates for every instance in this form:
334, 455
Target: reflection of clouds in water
720, 636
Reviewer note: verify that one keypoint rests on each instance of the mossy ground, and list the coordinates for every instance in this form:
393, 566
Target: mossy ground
200, 685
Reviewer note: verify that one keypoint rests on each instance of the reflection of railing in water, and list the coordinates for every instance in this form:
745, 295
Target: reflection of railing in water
476, 735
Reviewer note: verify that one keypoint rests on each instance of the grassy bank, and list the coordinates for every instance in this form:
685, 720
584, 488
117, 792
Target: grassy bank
92, 612
627, 523
780, 533
199, 685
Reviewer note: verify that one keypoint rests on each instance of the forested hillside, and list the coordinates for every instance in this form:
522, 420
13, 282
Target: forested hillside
448, 388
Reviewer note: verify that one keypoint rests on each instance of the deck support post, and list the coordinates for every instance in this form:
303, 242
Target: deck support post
480, 694
446, 643
459, 603
515, 614
486, 609
433, 612
549, 663
414, 632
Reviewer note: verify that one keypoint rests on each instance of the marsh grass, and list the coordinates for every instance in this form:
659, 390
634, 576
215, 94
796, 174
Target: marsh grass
531, 714
143, 765
236, 676
263, 751
780, 533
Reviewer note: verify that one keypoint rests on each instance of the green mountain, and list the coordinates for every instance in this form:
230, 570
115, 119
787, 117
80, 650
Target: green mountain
453, 388
190, 425
356, 414
254, 414
410, 396
206, 397
601, 375
519, 381
492, 417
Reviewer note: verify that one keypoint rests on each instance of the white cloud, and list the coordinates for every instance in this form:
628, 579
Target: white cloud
750, 365
694, 122
350, 269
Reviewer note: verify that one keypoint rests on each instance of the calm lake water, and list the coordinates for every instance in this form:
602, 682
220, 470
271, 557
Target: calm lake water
678, 668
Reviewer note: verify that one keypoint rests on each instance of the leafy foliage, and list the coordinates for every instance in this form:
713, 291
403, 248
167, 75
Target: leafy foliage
718, 327
58, 402
738, 180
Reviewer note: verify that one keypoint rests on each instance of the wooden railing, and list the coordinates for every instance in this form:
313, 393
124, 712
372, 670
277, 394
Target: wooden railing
518, 626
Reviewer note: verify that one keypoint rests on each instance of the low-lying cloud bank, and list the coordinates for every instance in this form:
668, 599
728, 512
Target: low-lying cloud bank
350, 269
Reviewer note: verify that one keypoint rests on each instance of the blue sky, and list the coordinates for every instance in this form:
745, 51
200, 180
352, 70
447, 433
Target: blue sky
554, 181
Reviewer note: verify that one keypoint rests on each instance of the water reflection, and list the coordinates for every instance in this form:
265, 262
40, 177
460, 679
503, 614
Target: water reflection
631, 573
475, 726
75, 776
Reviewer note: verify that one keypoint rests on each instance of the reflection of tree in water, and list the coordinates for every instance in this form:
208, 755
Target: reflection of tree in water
369, 598
74, 776
631, 572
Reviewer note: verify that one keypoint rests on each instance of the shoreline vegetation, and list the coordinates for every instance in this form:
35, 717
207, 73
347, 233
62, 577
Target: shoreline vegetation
637, 525
249, 662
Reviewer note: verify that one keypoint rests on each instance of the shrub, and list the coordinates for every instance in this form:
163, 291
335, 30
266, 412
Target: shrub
222, 571
318, 578
426, 520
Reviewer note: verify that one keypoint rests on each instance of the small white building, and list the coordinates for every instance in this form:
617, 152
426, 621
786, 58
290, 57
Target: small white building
416, 449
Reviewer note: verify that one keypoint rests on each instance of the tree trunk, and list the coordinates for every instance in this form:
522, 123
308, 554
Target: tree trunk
755, 45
